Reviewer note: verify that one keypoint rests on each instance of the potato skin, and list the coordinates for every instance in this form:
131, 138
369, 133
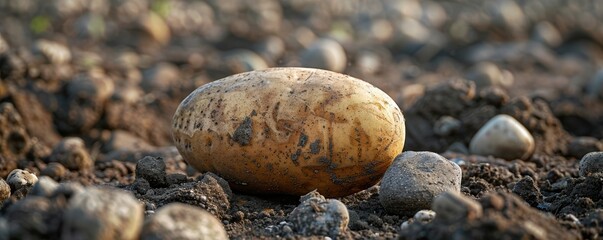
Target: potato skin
290, 131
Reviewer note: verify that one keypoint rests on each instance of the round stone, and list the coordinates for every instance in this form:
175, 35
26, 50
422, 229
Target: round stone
325, 54
102, 213
182, 221
503, 137
591, 163
415, 179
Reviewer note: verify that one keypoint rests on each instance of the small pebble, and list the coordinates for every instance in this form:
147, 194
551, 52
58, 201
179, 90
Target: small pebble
591, 163
415, 179
546, 33
424, 216
325, 54
243, 60
316, 215
161, 77
4, 190
55, 52
102, 213
452, 207
486, 74
44, 187
152, 169
503, 137
182, 221
54, 170
71, 152
446, 126
580, 146
20, 178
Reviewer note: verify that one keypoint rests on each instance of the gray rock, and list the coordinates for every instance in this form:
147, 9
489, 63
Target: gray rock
102, 213
591, 163
503, 137
183, 221
415, 179
27, 218
580, 146
44, 187
453, 207
152, 169
71, 152
316, 215
4, 230
324, 54
446, 125
595, 86
20, 178
4, 190
424, 216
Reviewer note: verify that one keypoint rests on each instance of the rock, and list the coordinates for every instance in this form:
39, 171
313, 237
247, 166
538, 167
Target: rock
243, 60
20, 178
591, 163
102, 213
4, 230
4, 191
71, 152
415, 179
446, 126
54, 170
182, 221
33, 218
152, 169
546, 33
503, 137
595, 86
580, 146
122, 140
324, 54
44, 187
424, 216
316, 215
454, 207
54, 52
272, 48
526, 188
486, 74
162, 77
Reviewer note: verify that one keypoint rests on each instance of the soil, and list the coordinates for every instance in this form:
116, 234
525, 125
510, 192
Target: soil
123, 78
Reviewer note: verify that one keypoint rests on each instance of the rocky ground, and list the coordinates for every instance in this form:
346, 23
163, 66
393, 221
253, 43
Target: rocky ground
89, 87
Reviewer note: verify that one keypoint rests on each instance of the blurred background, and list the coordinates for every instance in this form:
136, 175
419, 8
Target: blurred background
113, 72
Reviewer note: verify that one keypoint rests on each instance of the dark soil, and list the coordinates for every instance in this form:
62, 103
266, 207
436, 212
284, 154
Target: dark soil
124, 78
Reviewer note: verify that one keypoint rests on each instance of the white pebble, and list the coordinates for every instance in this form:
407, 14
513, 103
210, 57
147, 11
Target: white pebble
503, 137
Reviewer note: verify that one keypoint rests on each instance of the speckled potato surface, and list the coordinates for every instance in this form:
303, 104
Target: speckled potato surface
290, 131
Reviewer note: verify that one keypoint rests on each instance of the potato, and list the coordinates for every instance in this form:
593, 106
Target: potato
290, 131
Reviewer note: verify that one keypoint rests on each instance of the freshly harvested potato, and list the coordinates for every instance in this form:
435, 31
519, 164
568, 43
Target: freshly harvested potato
290, 131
